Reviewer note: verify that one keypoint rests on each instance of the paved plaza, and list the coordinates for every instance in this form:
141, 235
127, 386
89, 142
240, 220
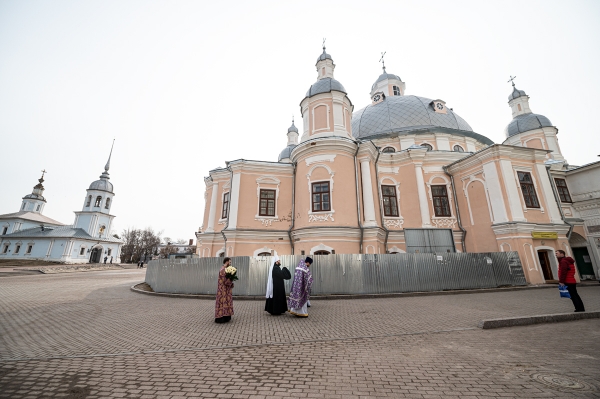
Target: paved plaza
86, 335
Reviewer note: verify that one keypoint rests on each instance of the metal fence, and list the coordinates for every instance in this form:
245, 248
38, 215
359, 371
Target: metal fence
346, 274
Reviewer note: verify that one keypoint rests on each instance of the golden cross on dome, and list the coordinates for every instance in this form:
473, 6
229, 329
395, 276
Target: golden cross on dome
43, 172
324, 43
511, 80
382, 60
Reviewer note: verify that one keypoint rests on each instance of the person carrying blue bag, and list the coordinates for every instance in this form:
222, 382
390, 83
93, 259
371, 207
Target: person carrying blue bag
566, 278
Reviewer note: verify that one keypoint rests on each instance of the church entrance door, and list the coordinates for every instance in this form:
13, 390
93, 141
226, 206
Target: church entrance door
545, 264
95, 255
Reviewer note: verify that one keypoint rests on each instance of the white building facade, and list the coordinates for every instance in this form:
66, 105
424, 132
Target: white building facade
28, 234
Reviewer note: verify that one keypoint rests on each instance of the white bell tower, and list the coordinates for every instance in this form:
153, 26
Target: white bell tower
95, 217
35, 201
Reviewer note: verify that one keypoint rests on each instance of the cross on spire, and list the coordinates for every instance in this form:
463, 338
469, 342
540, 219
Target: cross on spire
43, 172
511, 80
324, 44
382, 60
107, 166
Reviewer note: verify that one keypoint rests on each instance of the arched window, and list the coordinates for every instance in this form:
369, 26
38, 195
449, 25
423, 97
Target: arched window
98, 202
388, 149
222, 255
102, 228
89, 201
38, 208
396, 90
264, 254
321, 253
428, 146
107, 203
458, 148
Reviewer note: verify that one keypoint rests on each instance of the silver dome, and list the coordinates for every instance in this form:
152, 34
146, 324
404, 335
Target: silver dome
287, 151
103, 184
385, 76
293, 128
402, 114
526, 122
325, 85
516, 93
324, 56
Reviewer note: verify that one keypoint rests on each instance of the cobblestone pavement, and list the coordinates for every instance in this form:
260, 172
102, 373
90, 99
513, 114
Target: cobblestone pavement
86, 335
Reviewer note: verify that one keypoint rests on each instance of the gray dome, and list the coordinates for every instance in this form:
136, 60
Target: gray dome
325, 85
324, 56
287, 151
103, 184
526, 122
293, 128
516, 93
402, 114
385, 76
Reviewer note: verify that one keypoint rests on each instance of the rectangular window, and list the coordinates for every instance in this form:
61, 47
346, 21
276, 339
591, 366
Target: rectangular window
320, 197
82, 251
225, 211
528, 189
563, 190
4, 230
17, 249
267, 203
109, 251
29, 248
390, 201
5, 249
441, 205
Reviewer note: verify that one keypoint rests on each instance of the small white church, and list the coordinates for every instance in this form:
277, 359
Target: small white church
28, 234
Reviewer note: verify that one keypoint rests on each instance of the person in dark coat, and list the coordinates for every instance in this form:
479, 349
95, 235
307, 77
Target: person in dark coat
566, 276
276, 303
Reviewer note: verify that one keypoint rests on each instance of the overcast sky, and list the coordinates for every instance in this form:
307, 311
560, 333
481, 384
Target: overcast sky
184, 86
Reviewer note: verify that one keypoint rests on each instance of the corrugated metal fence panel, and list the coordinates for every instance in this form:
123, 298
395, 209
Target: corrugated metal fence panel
347, 273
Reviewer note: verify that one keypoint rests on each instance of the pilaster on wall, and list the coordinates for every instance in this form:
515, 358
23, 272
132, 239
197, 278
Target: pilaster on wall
495, 193
235, 200
512, 191
213, 208
548, 193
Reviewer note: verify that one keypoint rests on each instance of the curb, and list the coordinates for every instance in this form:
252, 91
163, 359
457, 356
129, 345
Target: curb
357, 296
529, 320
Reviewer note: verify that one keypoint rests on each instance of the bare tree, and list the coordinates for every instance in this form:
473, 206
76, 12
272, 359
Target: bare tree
181, 241
168, 250
139, 244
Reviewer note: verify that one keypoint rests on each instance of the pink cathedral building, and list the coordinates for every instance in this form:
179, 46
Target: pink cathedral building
403, 174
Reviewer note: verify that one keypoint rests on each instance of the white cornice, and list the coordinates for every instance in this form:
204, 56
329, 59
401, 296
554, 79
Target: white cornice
527, 228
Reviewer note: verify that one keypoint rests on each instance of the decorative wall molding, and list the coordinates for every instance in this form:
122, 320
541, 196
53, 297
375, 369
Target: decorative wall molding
320, 158
393, 223
266, 222
321, 218
444, 223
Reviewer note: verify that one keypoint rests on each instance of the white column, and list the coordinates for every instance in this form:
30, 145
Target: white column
512, 190
548, 193
423, 204
210, 227
235, 200
492, 181
367, 194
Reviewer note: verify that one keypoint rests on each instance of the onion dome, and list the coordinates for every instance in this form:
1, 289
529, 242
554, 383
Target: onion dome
38, 190
324, 56
385, 76
103, 184
325, 85
525, 122
293, 128
516, 93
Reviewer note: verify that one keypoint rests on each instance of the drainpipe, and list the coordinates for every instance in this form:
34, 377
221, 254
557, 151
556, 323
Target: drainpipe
293, 207
387, 232
460, 226
557, 198
358, 197
228, 206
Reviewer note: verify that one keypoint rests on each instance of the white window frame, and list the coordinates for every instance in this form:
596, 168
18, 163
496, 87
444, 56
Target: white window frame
267, 183
320, 216
391, 221
325, 129
5, 247
516, 170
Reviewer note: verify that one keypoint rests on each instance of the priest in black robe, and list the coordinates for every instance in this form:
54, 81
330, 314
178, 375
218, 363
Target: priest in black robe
276, 302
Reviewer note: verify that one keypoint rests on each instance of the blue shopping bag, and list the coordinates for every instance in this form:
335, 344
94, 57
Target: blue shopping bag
564, 292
